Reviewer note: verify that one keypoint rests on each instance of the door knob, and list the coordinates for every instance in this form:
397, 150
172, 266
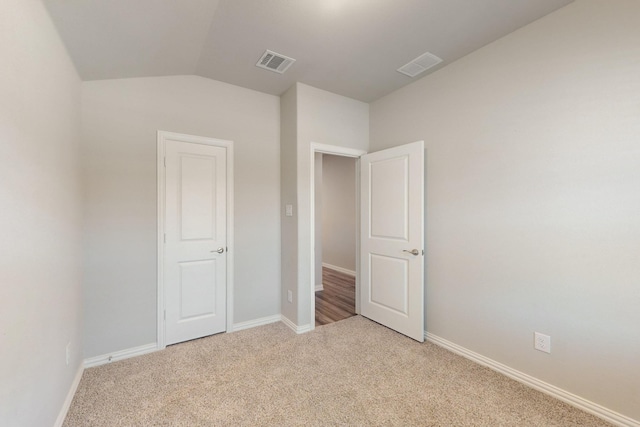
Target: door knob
219, 250
414, 252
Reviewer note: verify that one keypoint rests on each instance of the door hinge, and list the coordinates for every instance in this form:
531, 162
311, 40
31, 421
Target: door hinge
165, 162
165, 314
165, 237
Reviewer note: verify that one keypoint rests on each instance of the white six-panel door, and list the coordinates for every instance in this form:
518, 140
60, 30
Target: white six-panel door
392, 221
195, 242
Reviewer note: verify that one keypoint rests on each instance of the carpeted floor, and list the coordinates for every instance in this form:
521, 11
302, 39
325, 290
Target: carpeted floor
354, 372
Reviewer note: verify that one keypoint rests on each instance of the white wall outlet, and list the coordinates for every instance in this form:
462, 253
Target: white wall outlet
542, 342
68, 353
288, 211
290, 296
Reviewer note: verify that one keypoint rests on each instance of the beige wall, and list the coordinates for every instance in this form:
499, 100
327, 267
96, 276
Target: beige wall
533, 176
40, 218
339, 211
120, 121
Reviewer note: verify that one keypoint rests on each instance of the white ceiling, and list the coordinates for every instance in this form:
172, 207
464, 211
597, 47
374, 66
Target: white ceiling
349, 47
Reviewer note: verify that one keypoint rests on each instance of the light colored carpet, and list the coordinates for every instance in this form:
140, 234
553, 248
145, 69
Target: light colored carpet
354, 372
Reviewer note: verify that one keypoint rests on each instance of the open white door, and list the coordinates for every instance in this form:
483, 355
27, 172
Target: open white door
195, 247
392, 238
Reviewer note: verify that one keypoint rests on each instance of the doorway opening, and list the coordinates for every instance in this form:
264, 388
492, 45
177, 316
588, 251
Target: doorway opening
389, 281
335, 233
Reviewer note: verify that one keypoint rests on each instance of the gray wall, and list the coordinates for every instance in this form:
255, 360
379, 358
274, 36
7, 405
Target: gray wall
325, 118
120, 121
339, 211
309, 115
288, 190
533, 174
40, 218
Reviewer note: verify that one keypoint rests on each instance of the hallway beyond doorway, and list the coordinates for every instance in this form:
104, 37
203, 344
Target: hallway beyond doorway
337, 300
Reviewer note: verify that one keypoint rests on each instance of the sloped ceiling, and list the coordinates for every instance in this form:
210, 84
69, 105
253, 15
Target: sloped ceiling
349, 47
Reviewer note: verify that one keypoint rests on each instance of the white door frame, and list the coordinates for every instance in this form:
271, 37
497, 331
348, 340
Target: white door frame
336, 151
160, 165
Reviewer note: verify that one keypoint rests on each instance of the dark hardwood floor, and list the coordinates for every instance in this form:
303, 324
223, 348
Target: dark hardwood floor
338, 299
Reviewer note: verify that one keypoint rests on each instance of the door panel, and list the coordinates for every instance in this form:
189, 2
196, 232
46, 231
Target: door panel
195, 226
389, 188
392, 224
389, 279
198, 205
197, 297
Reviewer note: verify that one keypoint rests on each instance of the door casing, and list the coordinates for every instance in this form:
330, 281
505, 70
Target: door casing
160, 165
336, 151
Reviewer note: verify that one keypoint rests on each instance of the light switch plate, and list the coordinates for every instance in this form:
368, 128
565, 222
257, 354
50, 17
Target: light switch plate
288, 209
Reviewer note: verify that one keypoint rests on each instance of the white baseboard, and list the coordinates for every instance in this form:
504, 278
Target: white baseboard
319, 287
67, 401
340, 269
151, 347
297, 329
304, 329
553, 391
120, 355
257, 322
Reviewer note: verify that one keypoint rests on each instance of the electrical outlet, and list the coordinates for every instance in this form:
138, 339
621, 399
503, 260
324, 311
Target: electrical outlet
68, 353
542, 342
290, 296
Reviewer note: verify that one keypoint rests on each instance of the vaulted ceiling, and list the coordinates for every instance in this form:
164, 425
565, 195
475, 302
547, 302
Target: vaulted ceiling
349, 47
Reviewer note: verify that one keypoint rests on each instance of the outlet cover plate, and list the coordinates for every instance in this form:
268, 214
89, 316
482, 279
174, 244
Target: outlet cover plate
542, 342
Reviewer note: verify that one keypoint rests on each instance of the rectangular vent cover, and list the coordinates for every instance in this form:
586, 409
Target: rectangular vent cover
275, 62
420, 64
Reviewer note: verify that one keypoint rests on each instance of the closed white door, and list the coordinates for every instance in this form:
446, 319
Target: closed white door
392, 256
195, 247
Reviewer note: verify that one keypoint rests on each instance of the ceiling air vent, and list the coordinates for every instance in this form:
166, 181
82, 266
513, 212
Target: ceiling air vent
420, 64
275, 62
